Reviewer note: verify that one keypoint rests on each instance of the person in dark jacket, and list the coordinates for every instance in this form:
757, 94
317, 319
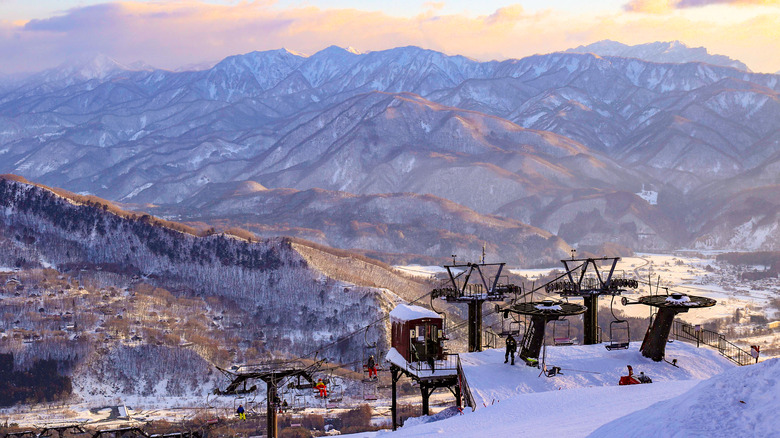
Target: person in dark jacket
511, 348
240, 412
371, 367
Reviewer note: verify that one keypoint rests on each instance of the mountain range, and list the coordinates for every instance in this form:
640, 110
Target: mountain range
366, 150
659, 51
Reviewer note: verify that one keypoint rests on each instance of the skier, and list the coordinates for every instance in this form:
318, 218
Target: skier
241, 413
371, 367
322, 388
511, 348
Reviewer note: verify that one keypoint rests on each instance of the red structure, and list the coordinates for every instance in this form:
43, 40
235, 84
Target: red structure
417, 333
629, 379
417, 339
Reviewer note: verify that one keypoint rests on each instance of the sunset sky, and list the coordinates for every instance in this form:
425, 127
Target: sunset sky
168, 34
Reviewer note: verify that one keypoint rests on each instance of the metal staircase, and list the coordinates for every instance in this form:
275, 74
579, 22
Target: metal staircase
697, 335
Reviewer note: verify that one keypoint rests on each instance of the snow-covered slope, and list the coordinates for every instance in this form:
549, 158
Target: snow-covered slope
542, 132
491, 380
517, 401
741, 402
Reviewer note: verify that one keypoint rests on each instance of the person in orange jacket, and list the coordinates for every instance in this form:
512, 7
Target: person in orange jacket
323, 389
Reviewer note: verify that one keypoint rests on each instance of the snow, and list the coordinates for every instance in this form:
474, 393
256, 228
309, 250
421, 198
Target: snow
517, 401
650, 196
405, 312
682, 300
137, 190
740, 402
548, 307
491, 380
422, 271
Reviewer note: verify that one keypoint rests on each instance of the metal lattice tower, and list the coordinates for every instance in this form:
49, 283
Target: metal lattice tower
474, 285
592, 282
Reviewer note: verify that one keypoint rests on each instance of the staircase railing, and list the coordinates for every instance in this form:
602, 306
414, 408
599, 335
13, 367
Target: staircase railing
465, 390
695, 334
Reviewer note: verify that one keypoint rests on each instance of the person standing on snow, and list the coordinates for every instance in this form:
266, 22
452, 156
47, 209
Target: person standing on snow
511, 348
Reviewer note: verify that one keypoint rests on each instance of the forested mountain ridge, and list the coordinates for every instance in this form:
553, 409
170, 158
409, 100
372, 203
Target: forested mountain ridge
272, 295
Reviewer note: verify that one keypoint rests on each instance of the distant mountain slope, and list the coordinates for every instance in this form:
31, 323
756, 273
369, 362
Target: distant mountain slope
404, 223
484, 135
666, 52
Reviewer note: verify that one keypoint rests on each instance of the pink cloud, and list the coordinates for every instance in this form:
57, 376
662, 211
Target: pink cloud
662, 6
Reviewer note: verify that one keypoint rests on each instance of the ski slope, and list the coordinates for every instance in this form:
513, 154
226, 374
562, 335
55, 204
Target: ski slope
516, 401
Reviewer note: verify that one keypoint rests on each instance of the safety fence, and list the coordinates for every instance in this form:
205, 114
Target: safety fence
698, 335
442, 366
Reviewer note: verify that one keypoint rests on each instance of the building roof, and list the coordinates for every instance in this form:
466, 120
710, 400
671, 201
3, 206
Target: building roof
406, 312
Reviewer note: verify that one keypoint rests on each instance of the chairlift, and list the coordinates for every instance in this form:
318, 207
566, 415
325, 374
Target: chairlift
370, 390
616, 327
299, 403
239, 401
562, 332
511, 325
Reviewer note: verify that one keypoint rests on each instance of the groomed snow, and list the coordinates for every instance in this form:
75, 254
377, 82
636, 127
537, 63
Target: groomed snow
491, 380
516, 401
742, 402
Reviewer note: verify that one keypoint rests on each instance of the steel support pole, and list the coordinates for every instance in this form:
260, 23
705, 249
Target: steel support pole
654, 344
475, 325
591, 320
271, 427
394, 403
425, 398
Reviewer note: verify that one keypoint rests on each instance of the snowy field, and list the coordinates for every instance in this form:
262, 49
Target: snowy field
707, 396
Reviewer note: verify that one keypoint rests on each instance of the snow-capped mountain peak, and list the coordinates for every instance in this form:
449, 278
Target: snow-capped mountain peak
675, 52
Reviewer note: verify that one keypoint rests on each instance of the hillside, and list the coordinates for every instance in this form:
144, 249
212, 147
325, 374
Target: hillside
102, 289
400, 223
515, 138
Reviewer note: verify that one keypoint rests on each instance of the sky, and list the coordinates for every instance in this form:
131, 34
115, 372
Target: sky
170, 34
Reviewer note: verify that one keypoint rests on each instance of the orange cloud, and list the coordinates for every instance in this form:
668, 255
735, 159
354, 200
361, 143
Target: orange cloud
171, 34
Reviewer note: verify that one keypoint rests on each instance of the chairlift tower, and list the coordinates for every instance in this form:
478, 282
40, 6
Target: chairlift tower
593, 281
271, 373
541, 312
474, 285
654, 344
